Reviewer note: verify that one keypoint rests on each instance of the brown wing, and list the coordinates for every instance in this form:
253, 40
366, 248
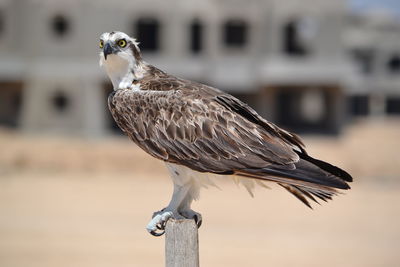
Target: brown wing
187, 128
206, 130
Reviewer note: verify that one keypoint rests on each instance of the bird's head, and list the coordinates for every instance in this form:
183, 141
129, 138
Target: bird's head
118, 44
120, 56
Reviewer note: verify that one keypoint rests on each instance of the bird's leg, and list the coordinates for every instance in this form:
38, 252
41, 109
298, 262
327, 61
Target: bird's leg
188, 213
157, 224
185, 190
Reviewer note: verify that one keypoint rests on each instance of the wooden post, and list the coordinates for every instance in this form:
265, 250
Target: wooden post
181, 244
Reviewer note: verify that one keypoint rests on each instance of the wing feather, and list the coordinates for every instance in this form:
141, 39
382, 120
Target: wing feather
200, 127
195, 140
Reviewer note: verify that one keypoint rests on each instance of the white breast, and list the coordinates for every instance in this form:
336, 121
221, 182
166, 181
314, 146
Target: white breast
117, 68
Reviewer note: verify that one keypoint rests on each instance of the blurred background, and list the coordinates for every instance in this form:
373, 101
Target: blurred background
75, 192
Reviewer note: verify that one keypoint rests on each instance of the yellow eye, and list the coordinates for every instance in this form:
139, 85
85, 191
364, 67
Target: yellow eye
101, 44
122, 43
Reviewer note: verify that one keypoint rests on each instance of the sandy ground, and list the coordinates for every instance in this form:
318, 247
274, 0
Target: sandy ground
70, 202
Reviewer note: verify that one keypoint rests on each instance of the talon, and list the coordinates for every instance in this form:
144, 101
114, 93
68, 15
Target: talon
161, 225
154, 233
197, 220
190, 214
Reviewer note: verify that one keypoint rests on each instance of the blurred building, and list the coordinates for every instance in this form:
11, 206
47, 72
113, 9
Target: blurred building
373, 44
305, 64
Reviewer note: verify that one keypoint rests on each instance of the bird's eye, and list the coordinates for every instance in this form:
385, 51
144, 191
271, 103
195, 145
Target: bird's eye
101, 44
122, 43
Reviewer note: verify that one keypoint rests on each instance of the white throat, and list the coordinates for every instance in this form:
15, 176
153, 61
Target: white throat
118, 69
122, 70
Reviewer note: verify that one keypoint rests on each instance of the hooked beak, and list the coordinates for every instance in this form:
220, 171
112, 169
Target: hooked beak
107, 50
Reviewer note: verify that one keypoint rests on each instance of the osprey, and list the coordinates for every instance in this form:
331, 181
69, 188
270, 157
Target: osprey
198, 130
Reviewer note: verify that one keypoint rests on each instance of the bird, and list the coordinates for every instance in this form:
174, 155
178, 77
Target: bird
201, 132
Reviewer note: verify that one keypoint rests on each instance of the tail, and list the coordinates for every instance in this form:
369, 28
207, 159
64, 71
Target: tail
309, 178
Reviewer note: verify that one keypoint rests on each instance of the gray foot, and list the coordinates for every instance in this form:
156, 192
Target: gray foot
191, 214
159, 219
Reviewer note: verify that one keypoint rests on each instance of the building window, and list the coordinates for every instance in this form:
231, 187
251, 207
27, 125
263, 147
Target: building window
147, 33
196, 36
293, 43
393, 105
11, 102
235, 33
364, 59
312, 105
60, 101
294, 112
393, 64
60, 25
359, 105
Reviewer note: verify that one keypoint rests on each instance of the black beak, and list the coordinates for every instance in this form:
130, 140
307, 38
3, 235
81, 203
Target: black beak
107, 50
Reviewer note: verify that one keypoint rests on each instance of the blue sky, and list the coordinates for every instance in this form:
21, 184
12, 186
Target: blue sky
392, 5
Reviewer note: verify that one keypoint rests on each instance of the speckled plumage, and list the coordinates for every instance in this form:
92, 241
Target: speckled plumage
197, 129
194, 125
